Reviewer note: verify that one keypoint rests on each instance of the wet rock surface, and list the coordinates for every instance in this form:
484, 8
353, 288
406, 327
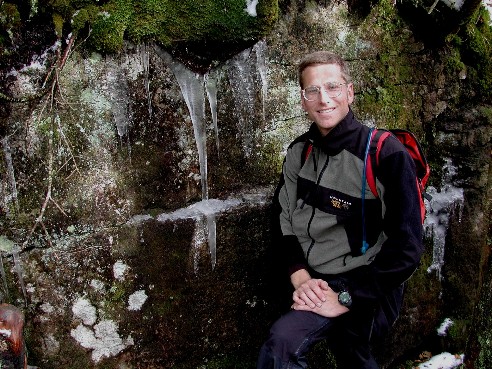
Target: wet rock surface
135, 228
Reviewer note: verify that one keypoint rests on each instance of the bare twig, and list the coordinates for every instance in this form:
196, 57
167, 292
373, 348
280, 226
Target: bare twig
433, 6
53, 100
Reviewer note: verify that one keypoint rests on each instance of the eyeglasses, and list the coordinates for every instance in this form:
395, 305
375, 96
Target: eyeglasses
332, 89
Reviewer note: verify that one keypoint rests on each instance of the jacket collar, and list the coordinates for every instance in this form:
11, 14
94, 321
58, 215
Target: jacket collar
339, 138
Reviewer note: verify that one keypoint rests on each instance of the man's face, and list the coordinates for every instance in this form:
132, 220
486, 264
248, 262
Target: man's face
324, 110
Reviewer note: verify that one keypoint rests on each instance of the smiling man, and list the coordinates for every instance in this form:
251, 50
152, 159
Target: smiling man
342, 291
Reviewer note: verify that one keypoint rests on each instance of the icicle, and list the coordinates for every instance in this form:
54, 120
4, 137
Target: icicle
260, 50
146, 67
211, 87
198, 240
205, 232
118, 94
208, 209
10, 174
443, 204
205, 213
212, 238
241, 76
192, 88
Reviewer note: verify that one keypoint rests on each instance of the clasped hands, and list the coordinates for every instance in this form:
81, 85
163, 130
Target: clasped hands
316, 295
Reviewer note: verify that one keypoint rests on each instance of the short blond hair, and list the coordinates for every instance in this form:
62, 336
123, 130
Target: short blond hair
320, 58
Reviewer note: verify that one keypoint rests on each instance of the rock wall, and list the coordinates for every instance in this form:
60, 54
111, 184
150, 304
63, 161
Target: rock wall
135, 193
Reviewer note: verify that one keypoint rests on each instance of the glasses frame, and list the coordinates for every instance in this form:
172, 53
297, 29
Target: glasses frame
323, 88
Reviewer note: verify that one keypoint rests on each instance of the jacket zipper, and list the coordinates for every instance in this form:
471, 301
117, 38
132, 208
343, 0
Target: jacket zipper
314, 208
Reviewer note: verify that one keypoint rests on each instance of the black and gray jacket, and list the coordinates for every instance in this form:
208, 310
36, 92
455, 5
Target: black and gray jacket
321, 217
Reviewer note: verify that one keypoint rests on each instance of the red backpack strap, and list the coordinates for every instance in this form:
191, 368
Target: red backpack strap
377, 140
413, 147
306, 150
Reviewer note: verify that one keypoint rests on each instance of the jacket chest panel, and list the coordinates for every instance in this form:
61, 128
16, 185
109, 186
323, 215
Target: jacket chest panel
341, 173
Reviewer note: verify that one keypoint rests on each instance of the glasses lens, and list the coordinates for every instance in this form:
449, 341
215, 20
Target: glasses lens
333, 89
311, 93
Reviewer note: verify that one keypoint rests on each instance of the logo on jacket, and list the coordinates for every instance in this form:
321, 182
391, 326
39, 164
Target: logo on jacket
339, 203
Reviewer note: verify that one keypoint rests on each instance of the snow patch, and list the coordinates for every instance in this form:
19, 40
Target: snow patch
443, 361
443, 204
443, 329
456, 4
251, 7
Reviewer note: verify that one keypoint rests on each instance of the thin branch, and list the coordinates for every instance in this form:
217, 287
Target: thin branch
39, 219
432, 7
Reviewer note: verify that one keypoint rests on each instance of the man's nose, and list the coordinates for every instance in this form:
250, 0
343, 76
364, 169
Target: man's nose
323, 95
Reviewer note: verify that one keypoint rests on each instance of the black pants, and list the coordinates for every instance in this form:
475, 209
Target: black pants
293, 334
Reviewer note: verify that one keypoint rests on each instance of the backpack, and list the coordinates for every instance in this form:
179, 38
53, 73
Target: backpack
413, 147
375, 141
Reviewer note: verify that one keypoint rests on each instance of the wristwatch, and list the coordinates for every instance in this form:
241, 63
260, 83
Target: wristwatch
344, 298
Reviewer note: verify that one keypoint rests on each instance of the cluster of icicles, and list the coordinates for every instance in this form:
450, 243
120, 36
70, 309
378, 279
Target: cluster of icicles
197, 89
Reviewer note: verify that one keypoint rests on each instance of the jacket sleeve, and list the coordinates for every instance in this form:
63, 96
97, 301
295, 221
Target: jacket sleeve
288, 246
400, 254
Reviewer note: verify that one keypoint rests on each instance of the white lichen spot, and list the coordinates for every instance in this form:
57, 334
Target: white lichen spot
136, 300
47, 308
104, 340
83, 309
97, 285
6, 245
51, 345
119, 270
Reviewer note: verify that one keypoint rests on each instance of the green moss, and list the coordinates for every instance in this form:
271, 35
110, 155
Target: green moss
423, 289
166, 22
477, 51
84, 17
58, 22
9, 20
321, 357
387, 19
109, 26
387, 105
390, 88
220, 362
458, 333
485, 357
486, 112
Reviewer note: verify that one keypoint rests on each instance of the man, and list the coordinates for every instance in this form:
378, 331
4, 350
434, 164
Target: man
341, 293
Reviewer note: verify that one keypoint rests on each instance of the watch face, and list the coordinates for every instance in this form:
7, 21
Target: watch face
344, 298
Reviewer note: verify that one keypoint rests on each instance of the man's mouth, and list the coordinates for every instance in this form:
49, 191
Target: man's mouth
324, 111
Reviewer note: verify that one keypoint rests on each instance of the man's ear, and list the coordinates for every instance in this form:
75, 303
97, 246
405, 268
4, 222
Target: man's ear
303, 101
350, 93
